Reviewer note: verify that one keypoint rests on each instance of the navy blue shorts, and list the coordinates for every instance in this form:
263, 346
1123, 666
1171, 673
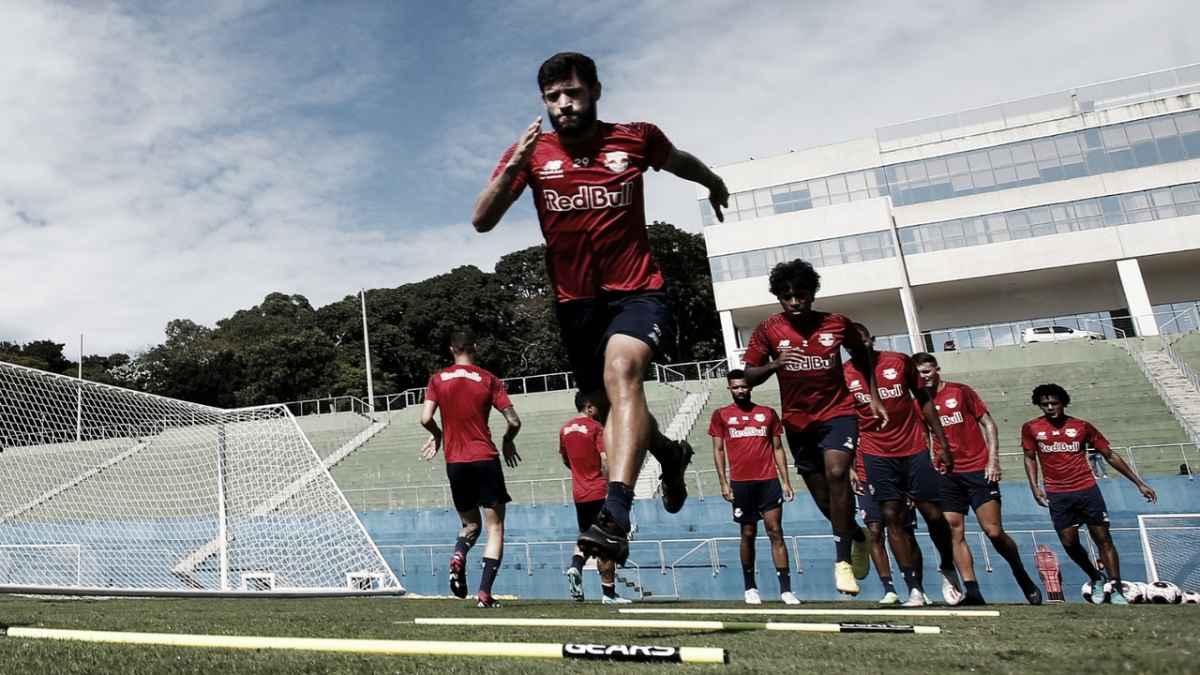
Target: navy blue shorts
895, 478
1072, 509
752, 498
808, 446
475, 484
868, 511
970, 490
586, 512
587, 324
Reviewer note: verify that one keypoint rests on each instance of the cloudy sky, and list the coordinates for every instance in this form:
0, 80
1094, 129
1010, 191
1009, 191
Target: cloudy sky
161, 160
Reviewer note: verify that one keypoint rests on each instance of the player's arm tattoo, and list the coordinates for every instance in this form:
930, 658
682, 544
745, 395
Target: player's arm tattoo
514, 423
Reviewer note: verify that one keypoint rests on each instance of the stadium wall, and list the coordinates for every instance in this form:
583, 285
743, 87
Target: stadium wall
417, 544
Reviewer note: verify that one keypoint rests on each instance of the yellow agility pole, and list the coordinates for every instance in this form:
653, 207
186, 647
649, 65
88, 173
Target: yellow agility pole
683, 625
532, 650
819, 612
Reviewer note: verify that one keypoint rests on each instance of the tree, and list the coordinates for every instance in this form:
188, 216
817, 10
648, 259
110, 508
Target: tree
683, 258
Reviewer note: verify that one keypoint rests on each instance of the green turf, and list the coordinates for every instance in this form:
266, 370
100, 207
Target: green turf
1052, 639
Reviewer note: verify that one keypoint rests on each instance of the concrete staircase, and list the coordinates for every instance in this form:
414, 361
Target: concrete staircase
1177, 385
677, 429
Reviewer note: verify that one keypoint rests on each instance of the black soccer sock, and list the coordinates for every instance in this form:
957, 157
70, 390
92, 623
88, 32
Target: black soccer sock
748, 578
618, 502
577, 562
971, 589
462, 545
842, 545
785, 579
609, 590
912, 579
888, 586
858, 535
490, 567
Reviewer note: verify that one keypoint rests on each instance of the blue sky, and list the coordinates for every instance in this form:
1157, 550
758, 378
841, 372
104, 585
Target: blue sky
164, 160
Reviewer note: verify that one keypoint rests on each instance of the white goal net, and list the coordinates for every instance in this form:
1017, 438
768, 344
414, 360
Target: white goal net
104, 489
1171, 548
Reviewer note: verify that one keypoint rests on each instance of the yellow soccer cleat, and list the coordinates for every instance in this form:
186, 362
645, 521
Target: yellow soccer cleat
843, 577
860, 555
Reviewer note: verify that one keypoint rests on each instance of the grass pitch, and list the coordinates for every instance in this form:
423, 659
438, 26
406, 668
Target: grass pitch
1055, 638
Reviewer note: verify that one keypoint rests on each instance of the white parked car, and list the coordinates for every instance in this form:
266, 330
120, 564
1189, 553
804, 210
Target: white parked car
1056, 333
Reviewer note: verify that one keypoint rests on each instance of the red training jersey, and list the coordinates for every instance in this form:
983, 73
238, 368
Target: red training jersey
1062, 451
581, 442
815, 389
466, 396
959, 409
591, 205
748, 435
895, 380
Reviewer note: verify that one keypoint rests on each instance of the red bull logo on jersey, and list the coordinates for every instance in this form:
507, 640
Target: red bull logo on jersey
461, 373
617, 161
1059, 446
1071, 433
948, 420
890, 373
826, 339
574, 429
952, 403
748, 432
808, 362
589, 197
894, 391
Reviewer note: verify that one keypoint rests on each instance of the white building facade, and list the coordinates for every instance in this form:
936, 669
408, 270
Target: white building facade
1077, 209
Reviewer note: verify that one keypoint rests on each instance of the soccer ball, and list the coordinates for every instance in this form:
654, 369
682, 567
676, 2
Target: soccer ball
1134, 591
1191, 598
1086, 592
1163, 593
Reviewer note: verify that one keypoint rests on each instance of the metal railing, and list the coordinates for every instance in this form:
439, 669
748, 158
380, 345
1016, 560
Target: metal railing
1034, 109
329, 405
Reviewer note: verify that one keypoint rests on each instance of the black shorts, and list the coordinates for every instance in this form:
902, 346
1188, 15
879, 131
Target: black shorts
1072, 509
475, 484
753, 498
808, 445
963, 491
587, 324
896, 478
586, 512
868, 511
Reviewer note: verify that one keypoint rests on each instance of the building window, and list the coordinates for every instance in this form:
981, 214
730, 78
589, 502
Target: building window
823, 253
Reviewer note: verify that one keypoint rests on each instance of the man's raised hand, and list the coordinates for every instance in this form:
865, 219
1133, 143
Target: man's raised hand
525, 144
718, 196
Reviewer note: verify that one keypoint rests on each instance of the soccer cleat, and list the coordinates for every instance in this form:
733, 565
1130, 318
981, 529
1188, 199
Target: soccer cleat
843, 578
1099, 597
615, 600
575, 584
751, 597
789, 598
605, 540
951, 592
458, 576
916, 598
970, 600
673, 478
1114, 595
1034, 596
483, 600
860, 555
889, 598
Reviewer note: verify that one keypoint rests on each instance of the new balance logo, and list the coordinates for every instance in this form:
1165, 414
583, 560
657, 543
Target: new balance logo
589, 197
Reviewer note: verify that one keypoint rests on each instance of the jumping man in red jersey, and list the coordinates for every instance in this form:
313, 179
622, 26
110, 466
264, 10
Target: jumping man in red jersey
581, 444
974, 481
898, 463
803, 347
750, 435
1059, 443
612, 303
466, 393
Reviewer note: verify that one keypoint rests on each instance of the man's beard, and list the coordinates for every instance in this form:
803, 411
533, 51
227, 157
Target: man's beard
584, 122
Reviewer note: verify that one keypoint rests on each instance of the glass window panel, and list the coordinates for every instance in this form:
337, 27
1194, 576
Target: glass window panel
1114, 137
1185, 193
741, 200
1162, 198
1060, 212
1163, 127
716, 267
962, 183
936, 168
1038, 215
817, 188
1121, 159
1000, 157
859, 195
831, 252
983, 179
762, 199
957, 164
978, 161
1022, 152
837, 185
856, 181
1136, 200
907, 234
838, 198
1188, 124
1044, 150
1027, 172
1092, 140
916, 172
1067, 145
892, 173
1089, 207
1138, 132
874, 178
1006, 175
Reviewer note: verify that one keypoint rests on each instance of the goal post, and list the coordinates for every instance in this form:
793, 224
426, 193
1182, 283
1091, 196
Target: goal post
1171, 548
116, 491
